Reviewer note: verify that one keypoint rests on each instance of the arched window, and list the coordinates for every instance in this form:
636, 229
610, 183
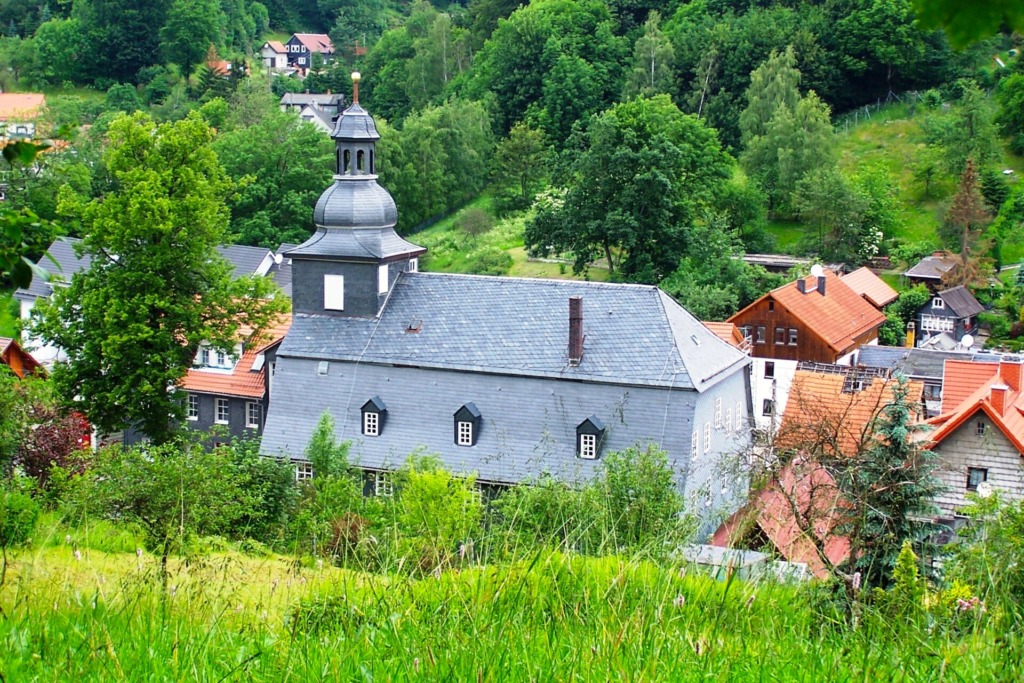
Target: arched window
360, 160
347, 168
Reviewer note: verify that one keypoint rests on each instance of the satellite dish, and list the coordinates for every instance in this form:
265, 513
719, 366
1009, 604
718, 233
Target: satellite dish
967, 341
985, 489
817, 270
278, 258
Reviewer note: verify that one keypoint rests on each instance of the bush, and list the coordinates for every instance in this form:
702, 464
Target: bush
488, 261
18, 516
474, 221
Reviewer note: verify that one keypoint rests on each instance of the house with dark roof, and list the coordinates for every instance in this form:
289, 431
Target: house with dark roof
327, 102
509, 378
872, 288
930, 270
945, 318
818, 319
301, 47
979, 434
63, 262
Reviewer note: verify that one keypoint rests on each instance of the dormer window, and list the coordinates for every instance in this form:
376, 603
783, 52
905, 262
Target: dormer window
938, 302
467, 425
209, 357
374, 413
589, 438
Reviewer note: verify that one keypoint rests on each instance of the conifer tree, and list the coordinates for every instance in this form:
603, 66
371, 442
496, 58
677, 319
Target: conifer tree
964, 220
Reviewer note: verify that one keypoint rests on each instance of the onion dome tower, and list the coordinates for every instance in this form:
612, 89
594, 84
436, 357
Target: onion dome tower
348, 266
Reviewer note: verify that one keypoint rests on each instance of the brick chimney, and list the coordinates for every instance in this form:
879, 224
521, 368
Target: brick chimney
997, 395
1010, 371
575, 330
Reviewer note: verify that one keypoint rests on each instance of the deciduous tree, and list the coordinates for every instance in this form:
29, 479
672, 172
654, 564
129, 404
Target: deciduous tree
653, 56
190, 29
156, 287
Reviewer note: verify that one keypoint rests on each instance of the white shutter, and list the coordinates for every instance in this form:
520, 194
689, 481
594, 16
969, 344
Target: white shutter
334, 292
382, 279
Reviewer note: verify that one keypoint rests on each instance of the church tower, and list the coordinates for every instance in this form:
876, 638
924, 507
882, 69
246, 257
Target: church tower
348, 266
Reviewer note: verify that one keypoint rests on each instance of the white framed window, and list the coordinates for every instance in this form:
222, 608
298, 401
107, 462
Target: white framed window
192, 407
693, 445
383, 484
252, 414
935, 323
792, 336
382, 278
371, 423
334, 292
739, 416
588, 446
728, 420
718, 413
223, 413
303, 471
976, 476
769, 370
707, 437
768, 407
938, 302
414, 265
302, 60
203, 357
465, 434
980, 428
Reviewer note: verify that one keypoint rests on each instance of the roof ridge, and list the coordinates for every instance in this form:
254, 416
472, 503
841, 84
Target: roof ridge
549, 280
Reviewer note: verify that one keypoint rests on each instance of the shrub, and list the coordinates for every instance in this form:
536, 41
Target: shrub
474, 221
488, 261
18, 517
268, 489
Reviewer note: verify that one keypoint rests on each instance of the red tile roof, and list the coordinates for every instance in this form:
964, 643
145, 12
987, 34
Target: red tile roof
242, 380
276, 46
800, 535
967, 389
871, 287
820, 416
838, 316
21, 105
727, 332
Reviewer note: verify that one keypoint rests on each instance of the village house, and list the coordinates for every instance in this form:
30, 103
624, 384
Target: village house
18, 115
508, 378
817, 319
944, 320
301, 47
20, 361
872, 288
274, 55
930, 270
979, 435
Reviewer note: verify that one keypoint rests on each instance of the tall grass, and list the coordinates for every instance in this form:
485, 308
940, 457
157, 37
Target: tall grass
552, 616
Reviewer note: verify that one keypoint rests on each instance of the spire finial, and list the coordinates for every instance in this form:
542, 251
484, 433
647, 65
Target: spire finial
355, 87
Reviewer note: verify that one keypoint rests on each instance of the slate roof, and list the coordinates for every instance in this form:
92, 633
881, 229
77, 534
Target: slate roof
837, 317
634, 334
916, 363
962, 302
932, 267
324, 117
246, 260
355, 124
242, 380
873, 288
282, 272
304, 98
67, 264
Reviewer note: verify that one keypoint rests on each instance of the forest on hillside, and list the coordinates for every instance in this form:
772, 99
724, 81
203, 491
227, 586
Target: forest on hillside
638, 140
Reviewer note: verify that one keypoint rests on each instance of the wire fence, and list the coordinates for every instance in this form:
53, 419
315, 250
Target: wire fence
865, 112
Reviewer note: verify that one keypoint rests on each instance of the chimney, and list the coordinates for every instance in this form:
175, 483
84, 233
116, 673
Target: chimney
997, 396
821, 284
575, 330
801, 286
1010, 371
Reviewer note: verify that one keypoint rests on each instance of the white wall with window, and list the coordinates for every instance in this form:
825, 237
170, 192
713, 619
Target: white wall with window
222, 414
769, 380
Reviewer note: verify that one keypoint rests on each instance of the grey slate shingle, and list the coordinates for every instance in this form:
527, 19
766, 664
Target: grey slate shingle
634, 334
245, 259
962, 302
67, 264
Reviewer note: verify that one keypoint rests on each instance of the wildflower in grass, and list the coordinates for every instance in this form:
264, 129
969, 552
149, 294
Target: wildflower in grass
138, 553
416, 664
682, 572
67, 538
78, 554
856, 581
750, 601
680, 600
970, 605
174, 590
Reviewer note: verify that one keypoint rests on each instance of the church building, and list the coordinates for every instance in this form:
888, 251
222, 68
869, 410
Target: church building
508, 378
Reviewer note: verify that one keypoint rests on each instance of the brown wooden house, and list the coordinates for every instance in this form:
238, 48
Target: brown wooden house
18, 359
818, 319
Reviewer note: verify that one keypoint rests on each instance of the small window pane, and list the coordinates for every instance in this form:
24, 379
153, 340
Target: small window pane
223, 411
334, 292
976, 475
768, 407
465, 434
588, 446
718, 413
252, 415
780, 335
760, 334
414, 265
707, 437
382, 279
694, 442
981, 428
193, 407
371, 423
728, 420
303, 471
792, 336
769, 370
383, 485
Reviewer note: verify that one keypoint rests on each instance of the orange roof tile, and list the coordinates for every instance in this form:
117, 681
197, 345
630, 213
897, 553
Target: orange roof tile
242, 380
967, 390
21, 105
276, 46
823, 420
837, 317
727, 332
873, 288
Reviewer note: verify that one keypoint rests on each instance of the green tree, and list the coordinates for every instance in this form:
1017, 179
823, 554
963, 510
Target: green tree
520, 160
968, 132
1010, 115
18, 517
928, 168
880, 38
123, 97
653, 56
190, 29
282, 164
124, 35
61, 52
156, 288
900, 312
774, 84
644, 174
891, 487
967, 22
825, 199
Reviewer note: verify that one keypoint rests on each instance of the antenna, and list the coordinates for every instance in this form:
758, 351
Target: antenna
817, 270
278, 258
967, 341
